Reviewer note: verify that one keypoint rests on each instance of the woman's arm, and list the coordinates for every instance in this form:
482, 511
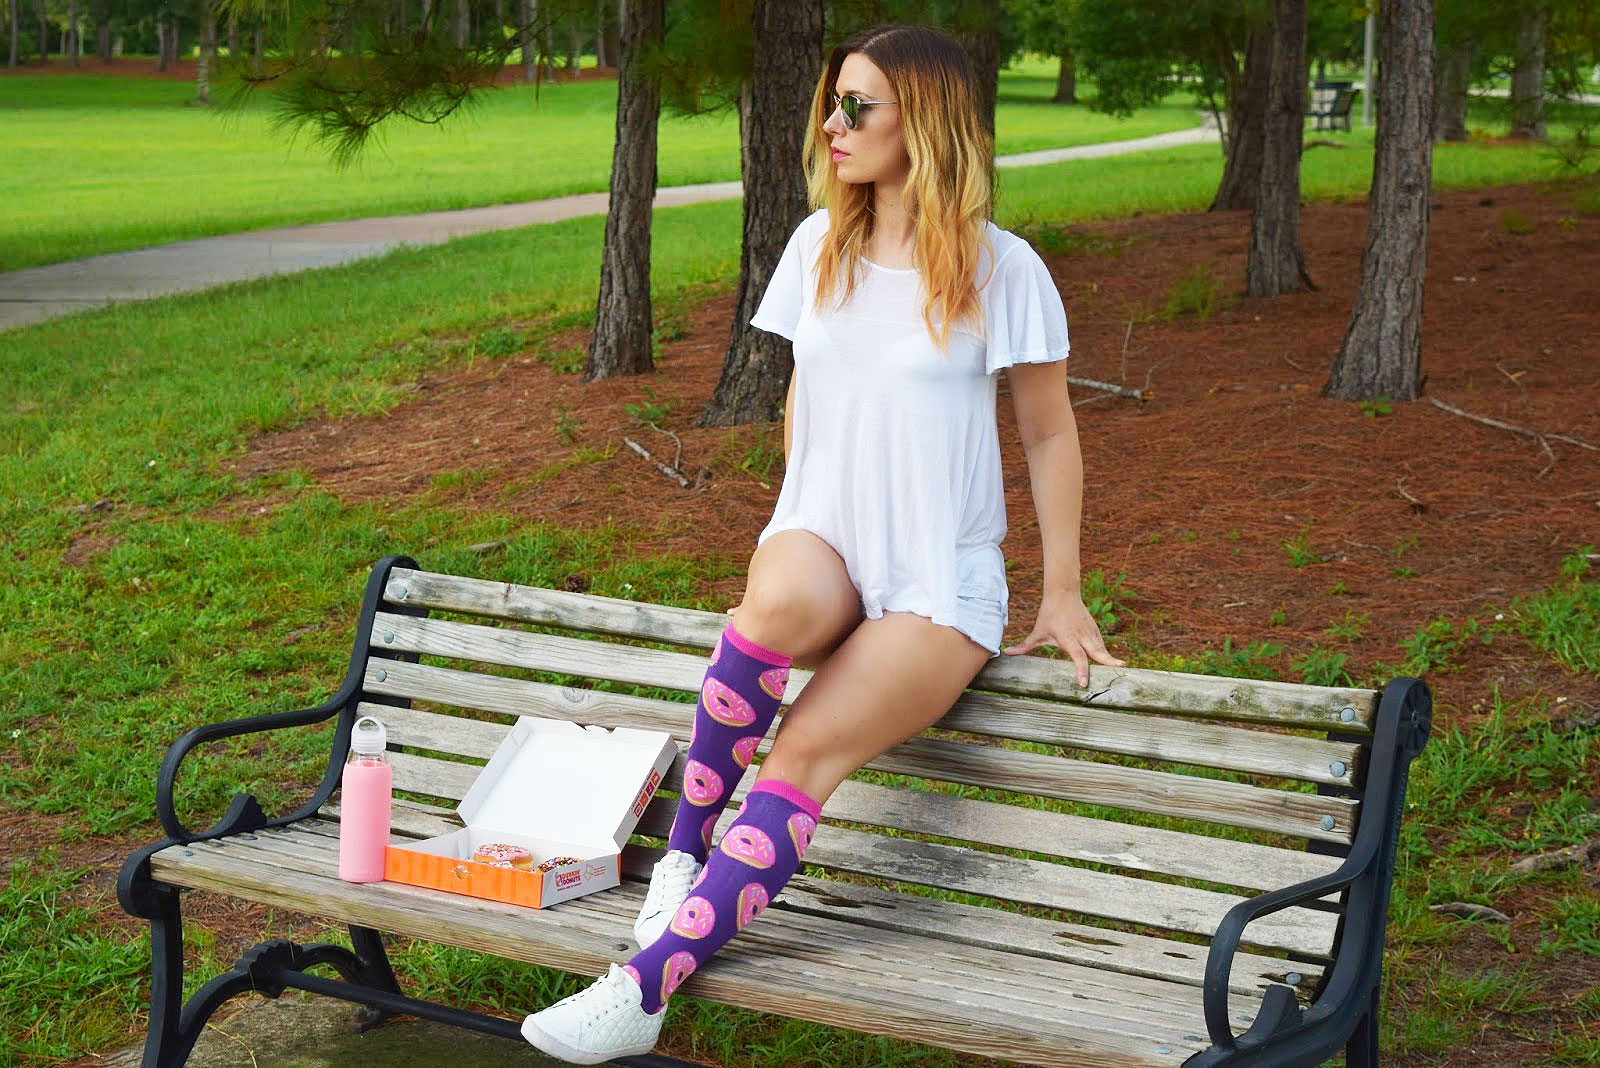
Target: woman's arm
788, 423
1049, 433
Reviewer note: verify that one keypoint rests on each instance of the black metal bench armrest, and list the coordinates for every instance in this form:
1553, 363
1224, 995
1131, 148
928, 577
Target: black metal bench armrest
236, 818
243, 813
1401, 730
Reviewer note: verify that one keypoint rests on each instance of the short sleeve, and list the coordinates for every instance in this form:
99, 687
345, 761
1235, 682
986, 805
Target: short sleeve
1026, 322
784, 301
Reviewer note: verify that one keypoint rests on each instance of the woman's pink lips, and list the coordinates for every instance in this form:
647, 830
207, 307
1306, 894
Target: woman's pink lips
837, 155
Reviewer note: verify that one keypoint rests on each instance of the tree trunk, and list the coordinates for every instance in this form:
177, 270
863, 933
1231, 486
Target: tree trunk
11, 60
1247, 122
463, 23
1454, 78
44, 33
161, 44
208, 53
773, 112
1527, 76
622, 327
979, 34
1276, 263
255, 49
614, 35
600, 34
1382, 351
1066, 80
102, 39
575, 48
530, 50
72, 44
233, 38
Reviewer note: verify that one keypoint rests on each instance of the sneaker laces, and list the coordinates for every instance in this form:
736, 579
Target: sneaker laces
672, 878
610, 993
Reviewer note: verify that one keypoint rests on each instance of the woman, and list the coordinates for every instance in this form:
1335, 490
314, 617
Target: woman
881, 564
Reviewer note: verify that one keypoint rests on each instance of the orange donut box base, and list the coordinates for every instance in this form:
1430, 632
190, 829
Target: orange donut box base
558, 790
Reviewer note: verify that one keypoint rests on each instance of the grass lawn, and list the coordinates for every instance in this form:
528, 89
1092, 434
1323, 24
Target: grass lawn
101, 164
114, 425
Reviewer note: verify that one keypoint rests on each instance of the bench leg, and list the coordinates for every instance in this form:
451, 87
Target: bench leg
372, 970
1362, 1049
166, 1045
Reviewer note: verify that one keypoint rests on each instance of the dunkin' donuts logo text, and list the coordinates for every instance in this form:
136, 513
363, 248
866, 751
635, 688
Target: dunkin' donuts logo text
568, 879
645, 794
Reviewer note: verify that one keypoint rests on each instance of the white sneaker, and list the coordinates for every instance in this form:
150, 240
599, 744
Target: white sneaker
670, 882
597, 1024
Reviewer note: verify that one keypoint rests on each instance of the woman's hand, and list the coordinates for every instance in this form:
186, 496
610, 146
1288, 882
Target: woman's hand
1064, 622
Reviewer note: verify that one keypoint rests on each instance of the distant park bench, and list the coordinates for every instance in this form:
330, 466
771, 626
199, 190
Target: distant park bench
1213, 892
1331, 103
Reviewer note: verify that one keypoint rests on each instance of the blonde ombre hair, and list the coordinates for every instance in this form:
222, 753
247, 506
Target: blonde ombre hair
950, 187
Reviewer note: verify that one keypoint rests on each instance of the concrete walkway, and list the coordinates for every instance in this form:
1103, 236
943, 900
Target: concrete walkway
39, 293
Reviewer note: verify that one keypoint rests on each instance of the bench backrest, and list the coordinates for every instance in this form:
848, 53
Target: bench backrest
1152, 798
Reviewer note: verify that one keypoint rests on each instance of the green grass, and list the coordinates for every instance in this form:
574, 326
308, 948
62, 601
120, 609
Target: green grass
139, 167
194, 615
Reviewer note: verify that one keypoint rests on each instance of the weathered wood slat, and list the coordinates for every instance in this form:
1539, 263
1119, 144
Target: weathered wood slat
829, 983
987, 823
1012, 932
1091, 782
1028, 882
1180, 741
1289, 704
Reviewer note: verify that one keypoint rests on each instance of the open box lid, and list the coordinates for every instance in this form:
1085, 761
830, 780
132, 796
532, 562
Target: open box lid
555, 779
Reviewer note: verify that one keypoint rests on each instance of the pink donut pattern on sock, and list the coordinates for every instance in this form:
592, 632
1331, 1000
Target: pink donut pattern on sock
749, 845
716, 651
775, 681
724, 704
701, 785
801, 830
744, 750
679, 967
752, 899
695, 918
634, 972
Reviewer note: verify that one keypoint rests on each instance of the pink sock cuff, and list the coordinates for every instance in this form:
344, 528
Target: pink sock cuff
792, 794
760, 652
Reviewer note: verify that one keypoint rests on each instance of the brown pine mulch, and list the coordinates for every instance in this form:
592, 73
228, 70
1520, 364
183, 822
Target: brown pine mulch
1193, 495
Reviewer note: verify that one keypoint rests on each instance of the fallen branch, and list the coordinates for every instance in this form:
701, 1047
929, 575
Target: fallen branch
1118, 391
1416, 505
666, 469
1582, 853
1470, 911
1524, 431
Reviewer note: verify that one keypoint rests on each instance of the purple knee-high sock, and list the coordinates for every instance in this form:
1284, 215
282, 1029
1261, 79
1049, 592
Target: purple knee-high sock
742, 690
758, 854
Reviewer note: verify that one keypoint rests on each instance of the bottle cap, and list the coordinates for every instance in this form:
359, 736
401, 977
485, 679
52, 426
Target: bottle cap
368, 736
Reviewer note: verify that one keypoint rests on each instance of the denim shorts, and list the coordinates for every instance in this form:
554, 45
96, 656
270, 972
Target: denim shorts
982, 614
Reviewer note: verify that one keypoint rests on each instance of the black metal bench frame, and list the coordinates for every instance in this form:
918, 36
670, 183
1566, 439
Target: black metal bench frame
1344, 1016
1338, 107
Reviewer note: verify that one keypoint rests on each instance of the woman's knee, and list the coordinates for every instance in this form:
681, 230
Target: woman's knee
798, 599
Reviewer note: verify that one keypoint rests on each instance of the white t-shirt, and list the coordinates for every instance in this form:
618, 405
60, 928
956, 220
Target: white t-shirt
895, 461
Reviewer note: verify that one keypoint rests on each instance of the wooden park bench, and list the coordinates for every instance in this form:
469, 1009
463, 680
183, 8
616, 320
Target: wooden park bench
1331, 103
1213, 892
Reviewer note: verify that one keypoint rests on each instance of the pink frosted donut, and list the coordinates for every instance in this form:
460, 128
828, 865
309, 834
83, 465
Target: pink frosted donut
706, 828
679, 967
701, 785
744, 750
752, 899
801, 829
496, 852
749, 845
774, 682
724, 704
695, 918
716, 651
698, 879
634, 972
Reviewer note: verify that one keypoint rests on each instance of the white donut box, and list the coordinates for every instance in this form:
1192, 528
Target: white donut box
557, 789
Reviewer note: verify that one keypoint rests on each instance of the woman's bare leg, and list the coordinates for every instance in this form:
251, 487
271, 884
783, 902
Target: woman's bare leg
798, 598
888, 681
